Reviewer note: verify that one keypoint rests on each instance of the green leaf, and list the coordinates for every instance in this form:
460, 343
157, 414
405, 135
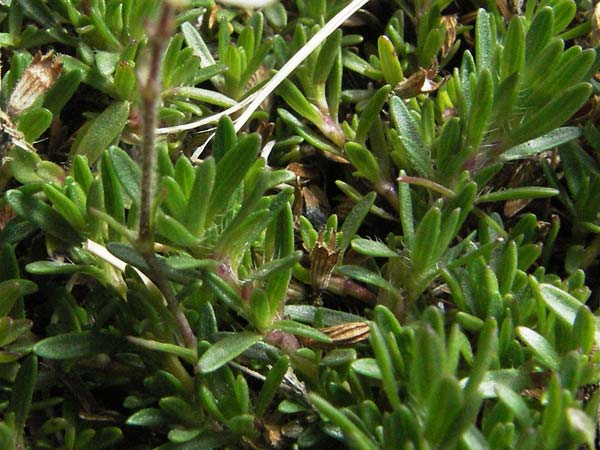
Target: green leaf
62, 91
515, 403
513, 56
540, 347
148, 417
200, 95
299, 329
34, 122
326, 58
175, 232
127, 171
195, 41
353, 434
299, 103
388, 59
42, 215
556, 112
426, 240
223, 351
584, 329
22, 391
539, 33
271, 385
560, 302
529, 192
354, 219
366, 276
105, 438
409, 133
77, 345
370, 113
386, 365
364, 162
534, 146
11, 291
373, 248
479, 113
367, 367
65, 206
275, 267
484, 41
443, 407
329, 317
102, 131
148, 344
199, 199
230, 172
226, 293
307, 134
582, 424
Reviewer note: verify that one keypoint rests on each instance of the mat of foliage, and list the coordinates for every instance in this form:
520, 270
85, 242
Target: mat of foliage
399, 250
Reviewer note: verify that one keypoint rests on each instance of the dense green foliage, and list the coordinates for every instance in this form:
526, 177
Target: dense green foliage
427, 178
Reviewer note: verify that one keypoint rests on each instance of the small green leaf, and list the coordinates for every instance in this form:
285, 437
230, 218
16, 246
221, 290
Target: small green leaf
370, 113
271, 385
77, 345
367, 367
479, 113
513, 56
289, 326
364, 162
127, 171
148, 417
563, 304
199, 199
529, 192
11, 291
443, 407
540, 347
65, 206
515, 403
360, 440
390, 64
223, 351
326, 58
34, 122
22, 391
366, 276
426, 240
230, 172
484, 41
373, 248
385, 363
42, 215
354, 219
534, 146
299, 103
102, 131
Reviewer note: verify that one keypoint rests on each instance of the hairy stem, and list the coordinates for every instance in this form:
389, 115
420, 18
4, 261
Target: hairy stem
150, 95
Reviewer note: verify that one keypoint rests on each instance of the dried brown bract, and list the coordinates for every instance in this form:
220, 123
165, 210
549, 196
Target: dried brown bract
9, 135
420, 82
323, 259
450, 23
36, 80
342, 335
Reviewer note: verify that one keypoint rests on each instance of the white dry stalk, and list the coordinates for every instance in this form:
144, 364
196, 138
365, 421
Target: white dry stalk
254, 101
102, 252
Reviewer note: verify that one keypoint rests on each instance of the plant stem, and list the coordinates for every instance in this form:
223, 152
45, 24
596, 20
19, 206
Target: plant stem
150, 95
